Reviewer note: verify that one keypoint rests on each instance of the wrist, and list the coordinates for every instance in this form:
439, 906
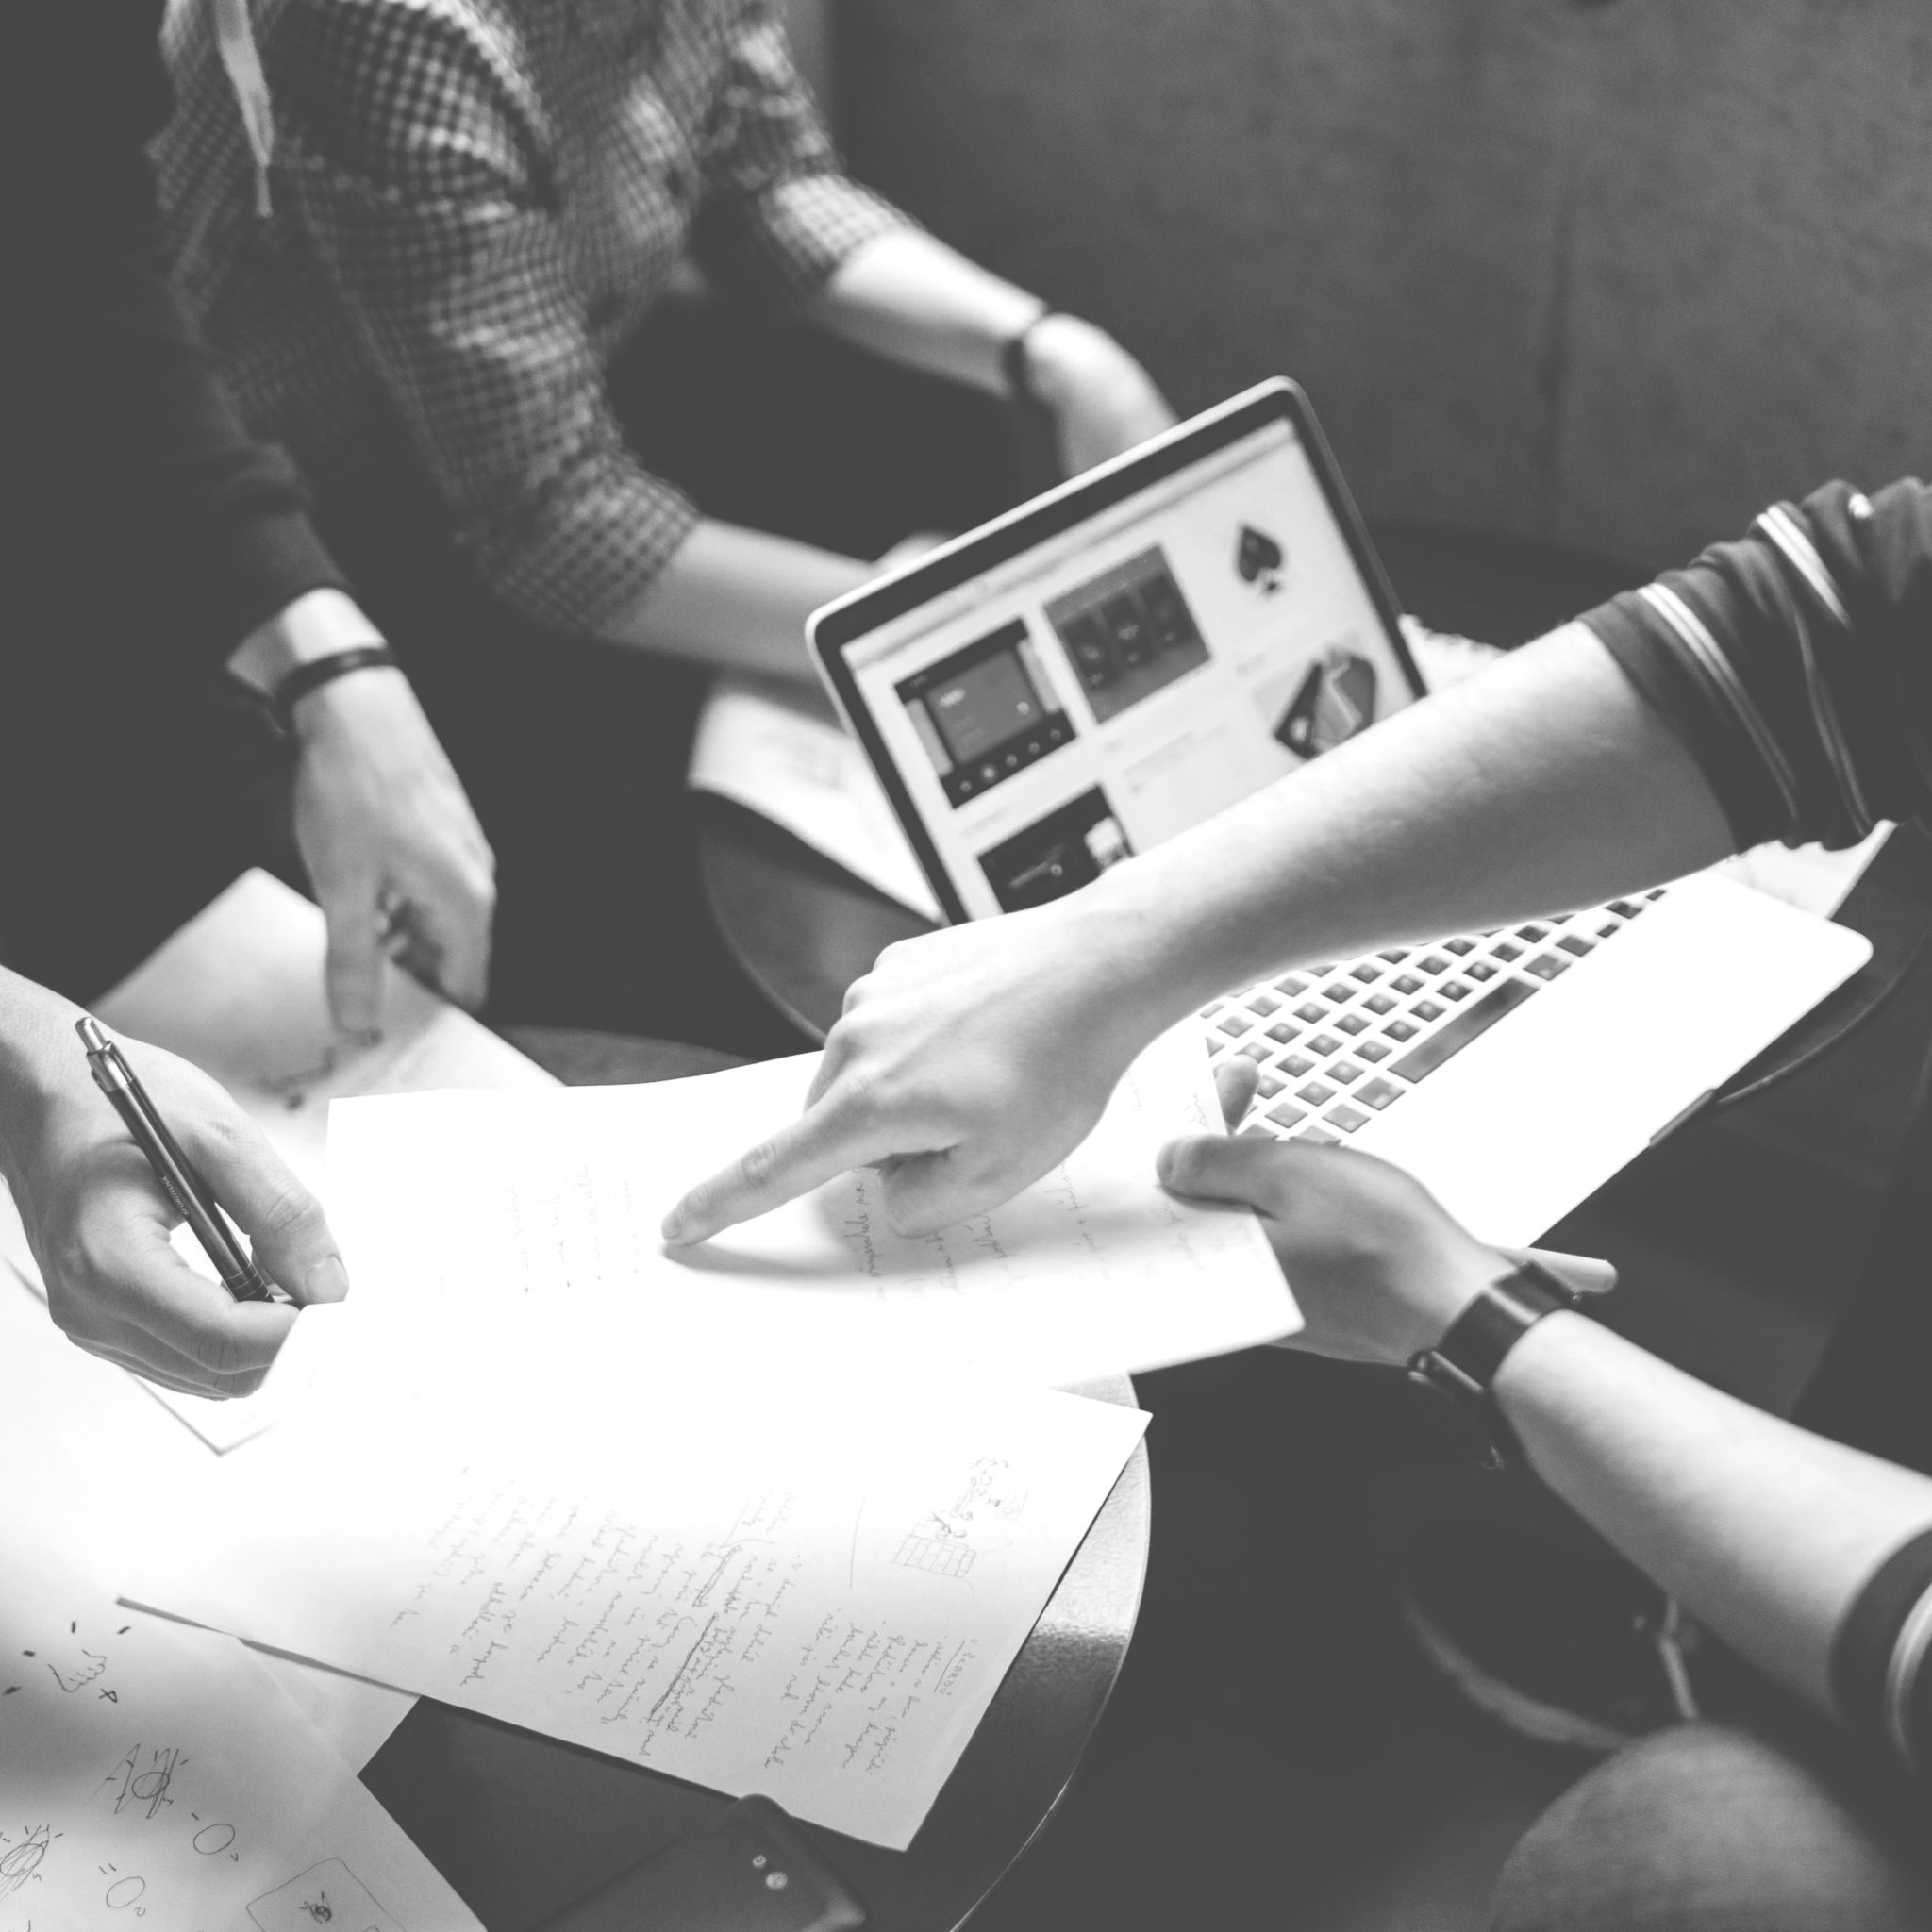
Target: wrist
1066, 359
320, 623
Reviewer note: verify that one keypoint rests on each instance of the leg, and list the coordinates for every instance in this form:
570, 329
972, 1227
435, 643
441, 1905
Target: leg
1708, 1827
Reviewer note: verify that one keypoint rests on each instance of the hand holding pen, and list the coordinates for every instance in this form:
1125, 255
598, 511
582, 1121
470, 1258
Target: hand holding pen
98, 1221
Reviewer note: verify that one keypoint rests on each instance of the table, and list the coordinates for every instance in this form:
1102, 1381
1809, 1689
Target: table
521, 1824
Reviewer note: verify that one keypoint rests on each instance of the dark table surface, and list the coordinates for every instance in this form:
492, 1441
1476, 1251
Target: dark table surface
521, 1824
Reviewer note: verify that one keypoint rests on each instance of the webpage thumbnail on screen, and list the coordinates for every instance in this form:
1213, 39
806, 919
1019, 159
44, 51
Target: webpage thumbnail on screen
1125, 681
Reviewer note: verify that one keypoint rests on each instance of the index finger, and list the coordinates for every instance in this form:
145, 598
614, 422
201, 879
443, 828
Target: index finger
829, 1139
353, 969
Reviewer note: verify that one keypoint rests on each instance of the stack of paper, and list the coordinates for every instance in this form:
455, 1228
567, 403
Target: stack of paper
757, 1574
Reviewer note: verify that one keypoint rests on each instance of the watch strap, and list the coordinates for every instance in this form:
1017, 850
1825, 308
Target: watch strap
1461, 1369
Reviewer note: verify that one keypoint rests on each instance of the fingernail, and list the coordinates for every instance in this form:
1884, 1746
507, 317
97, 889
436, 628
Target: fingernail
1165, 1162
675, 1224
328, 1280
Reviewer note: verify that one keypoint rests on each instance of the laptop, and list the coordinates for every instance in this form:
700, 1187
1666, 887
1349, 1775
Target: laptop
1118, 659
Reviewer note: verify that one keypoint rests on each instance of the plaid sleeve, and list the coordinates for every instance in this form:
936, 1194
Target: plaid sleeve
412, 154
780, 215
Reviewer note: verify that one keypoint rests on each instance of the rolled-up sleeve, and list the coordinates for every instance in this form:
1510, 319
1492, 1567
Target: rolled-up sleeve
414, 162
780, 215
1796, 664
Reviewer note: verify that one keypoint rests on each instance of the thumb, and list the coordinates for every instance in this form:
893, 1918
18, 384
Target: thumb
1210, 1167
283, 1221
353, 970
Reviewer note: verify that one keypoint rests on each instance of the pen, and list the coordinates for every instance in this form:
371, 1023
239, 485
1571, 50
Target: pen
173, 1168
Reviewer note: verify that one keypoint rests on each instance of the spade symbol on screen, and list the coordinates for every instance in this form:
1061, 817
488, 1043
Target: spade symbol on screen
1258, 559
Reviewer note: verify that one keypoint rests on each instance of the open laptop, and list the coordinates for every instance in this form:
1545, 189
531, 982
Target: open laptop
1115, 661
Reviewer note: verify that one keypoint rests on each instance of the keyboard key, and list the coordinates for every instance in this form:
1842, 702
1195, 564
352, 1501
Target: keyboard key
1291, 984
1295, 1064
1342, 1071
1263, 1004
1655, 892
1324, 1044
1453, 990
1288, 1114
1377, 1093
1400, 1029
1314, 1093
1379, 1002
1255, 1132
1407, 983
1427, 1010
1547, 966
1283, 1034
1480, 969
1339, 991
1576, 943
1372, 1051
1458, 947
1353, 1023
1269, 1087
1311, 1013
1213, 1007
1235, 1026
1319, 1137
1625, 909
1504, 951
1395, 956
1435, 963
1468, 1024
1609, 931
1368, 973
1532, 933
1255, 1050
1347, 1118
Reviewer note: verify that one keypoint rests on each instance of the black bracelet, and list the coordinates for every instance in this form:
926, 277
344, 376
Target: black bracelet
318, 671
1016, 363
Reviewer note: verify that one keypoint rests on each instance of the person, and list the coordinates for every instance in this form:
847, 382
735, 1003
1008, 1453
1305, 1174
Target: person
159, 563
1779, 687
476, 210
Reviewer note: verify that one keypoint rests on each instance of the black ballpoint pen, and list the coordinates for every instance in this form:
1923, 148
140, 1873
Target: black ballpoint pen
173, 1168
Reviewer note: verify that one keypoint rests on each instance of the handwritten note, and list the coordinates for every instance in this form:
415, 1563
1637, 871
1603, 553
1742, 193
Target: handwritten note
151, 1772
752, 1577
473, 1200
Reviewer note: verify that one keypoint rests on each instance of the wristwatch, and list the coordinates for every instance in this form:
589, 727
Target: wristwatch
1459, 1371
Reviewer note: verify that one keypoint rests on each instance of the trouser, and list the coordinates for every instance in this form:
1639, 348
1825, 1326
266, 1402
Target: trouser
1714, 1829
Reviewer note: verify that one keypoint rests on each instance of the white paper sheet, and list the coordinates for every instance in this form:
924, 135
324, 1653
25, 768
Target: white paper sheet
787, 758
107, 1463
152, 1771
761, 1577
477, 1201
238, 991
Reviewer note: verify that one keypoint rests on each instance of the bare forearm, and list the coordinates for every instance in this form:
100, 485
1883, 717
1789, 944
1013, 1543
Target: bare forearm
1545, 784
739, 599
1765, 1533
909, 297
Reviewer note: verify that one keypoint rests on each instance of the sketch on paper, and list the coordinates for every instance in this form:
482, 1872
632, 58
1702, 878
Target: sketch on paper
326, 1894
21, 1859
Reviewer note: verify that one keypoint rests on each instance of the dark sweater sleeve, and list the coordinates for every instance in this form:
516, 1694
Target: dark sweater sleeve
1796, 663
135, 461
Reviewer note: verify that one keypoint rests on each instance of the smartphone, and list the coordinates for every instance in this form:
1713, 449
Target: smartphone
750, 1870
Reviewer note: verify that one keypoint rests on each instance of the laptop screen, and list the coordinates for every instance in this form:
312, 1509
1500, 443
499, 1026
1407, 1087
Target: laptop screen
1133, 671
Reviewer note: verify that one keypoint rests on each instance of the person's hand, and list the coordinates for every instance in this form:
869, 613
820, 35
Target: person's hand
1377, 1266
98, 1222
395, 855
1103, 402
969, 1061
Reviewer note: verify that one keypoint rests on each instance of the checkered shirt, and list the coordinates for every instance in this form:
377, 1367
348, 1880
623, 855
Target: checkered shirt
474, 201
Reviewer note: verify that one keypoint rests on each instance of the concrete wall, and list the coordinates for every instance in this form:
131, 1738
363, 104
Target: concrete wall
1619, 273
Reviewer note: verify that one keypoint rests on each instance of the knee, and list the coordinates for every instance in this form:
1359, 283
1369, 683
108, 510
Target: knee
1703, 1829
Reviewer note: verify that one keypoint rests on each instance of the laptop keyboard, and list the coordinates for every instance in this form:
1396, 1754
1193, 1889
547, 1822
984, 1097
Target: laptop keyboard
1338, 1043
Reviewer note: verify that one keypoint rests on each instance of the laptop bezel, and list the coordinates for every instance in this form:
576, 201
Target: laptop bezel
833, 630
